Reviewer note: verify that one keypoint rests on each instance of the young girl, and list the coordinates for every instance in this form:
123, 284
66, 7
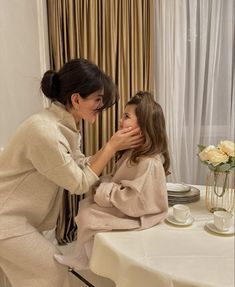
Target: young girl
134, 197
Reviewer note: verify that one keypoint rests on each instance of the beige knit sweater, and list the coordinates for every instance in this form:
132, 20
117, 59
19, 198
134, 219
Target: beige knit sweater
42, 158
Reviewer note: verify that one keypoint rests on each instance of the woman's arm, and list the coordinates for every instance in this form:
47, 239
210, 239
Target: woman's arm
50, 155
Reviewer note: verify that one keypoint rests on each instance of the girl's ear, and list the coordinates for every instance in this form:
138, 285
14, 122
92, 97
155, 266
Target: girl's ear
75, 100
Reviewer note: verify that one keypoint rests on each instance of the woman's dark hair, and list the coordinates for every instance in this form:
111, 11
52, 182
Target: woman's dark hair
151, 121
78, 76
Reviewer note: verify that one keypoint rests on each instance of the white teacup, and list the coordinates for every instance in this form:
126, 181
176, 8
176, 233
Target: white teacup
181, 212
223, 220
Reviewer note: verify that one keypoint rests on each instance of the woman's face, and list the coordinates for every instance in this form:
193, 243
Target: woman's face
129, 118
86, 108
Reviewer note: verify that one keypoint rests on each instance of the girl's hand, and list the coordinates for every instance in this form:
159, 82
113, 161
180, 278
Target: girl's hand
94, 187
125, 139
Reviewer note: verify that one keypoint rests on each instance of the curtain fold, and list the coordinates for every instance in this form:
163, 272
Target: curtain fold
117, 35
195, 52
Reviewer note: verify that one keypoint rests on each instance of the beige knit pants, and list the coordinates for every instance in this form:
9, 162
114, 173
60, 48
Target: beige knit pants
28, 261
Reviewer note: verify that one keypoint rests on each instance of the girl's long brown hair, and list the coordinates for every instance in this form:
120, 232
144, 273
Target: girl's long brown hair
151, 121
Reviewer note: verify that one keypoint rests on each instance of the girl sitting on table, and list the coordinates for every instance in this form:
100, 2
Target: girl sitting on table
134, 197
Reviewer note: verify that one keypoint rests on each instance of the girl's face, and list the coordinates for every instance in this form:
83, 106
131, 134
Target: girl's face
129, 118
86, 108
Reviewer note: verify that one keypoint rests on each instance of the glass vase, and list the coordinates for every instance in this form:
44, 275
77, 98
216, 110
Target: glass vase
220, 191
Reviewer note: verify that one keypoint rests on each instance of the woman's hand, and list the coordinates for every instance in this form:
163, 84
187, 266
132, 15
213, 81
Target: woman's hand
121, 140
125, 139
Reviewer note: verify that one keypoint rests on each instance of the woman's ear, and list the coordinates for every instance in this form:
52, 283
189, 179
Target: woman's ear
75, 100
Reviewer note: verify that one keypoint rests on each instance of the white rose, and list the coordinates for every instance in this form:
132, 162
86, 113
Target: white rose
228, 147
216, 156
204, 154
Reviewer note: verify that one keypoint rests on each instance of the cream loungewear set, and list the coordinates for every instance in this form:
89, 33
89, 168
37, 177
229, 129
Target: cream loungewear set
41, 159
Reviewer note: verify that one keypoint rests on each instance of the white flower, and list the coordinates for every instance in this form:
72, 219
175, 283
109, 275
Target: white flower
217, 156
228, 147
214, 155
204, 154
220, 158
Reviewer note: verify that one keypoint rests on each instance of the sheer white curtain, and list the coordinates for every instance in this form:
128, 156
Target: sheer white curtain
195, 78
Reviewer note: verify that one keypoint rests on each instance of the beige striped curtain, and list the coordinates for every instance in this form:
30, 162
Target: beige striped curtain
117, 35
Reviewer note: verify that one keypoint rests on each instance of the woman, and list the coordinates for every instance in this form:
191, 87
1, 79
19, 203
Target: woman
134, 197
44, 157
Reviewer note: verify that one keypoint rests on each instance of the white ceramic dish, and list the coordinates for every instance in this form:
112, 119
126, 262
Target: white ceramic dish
170, 218
177, 187
210, 225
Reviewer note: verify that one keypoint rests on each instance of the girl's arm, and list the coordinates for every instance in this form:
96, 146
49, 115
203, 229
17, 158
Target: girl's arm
145, 194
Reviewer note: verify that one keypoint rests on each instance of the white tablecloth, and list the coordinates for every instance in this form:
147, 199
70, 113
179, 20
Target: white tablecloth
167, 255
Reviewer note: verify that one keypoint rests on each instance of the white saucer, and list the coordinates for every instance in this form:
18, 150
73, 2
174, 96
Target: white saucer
170, 218
210, 225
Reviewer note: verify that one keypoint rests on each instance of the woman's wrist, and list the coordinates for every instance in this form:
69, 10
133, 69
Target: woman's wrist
110, 148
101, 159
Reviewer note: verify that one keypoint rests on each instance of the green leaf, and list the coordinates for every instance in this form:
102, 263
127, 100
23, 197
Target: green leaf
201, 147
223, 167
211, 167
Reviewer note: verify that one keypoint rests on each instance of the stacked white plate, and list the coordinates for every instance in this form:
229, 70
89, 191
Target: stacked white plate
181, 193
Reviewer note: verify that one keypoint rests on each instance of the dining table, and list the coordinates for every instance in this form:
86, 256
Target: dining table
168, 255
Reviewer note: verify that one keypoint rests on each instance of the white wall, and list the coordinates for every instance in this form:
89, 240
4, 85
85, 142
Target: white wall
23, 59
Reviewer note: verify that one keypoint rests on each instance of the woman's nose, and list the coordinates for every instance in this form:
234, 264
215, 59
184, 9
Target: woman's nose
100, 105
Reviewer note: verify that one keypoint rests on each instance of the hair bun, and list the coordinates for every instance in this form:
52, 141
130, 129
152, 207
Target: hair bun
50, 84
